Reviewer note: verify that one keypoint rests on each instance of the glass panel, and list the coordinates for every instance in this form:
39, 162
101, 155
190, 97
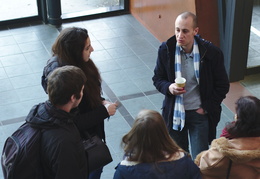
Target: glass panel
254, 42
74, 8
15, 9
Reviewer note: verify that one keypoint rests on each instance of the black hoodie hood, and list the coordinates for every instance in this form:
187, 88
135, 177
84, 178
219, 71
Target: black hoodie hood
45, 115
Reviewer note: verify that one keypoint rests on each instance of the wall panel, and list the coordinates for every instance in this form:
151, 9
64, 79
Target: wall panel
158, 16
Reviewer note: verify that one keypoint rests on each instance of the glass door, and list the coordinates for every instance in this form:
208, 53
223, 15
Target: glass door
75, 8
27, 10
16, 9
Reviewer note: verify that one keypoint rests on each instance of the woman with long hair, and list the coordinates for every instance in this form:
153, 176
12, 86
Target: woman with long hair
236, 154
150, 152
73, 47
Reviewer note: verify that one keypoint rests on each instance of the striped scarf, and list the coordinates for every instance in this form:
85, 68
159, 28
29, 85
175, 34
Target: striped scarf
179, 111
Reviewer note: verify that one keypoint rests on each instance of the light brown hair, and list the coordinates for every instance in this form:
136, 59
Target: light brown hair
148, 140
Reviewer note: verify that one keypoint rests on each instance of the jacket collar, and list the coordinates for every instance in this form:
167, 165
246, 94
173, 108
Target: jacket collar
239, 149
202, 43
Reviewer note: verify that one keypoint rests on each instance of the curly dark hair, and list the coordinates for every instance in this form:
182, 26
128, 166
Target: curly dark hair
248, 118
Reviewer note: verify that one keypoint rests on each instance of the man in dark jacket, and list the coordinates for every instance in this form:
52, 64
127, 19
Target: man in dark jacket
62, 152
195, 109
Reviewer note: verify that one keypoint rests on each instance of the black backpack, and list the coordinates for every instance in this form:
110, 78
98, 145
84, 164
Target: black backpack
21, 154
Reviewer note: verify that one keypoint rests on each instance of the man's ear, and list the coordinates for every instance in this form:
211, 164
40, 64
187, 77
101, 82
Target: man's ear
196, 30
73, 98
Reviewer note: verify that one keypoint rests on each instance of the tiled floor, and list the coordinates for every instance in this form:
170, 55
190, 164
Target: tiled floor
125, 53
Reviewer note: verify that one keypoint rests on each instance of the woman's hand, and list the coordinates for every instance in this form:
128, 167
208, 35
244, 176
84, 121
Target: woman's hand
111, 107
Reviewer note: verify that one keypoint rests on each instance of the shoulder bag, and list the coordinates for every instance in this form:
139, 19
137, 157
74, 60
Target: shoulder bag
97, 152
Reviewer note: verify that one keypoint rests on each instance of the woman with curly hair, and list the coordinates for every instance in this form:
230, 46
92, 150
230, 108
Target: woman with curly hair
236, 154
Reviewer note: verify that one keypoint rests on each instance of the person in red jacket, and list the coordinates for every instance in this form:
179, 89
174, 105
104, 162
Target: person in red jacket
237, 153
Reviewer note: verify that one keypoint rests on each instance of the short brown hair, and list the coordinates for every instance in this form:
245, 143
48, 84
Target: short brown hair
64, 82
148, 140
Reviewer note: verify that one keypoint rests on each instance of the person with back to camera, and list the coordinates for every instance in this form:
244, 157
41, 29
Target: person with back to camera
193, 110
236, 155
73, 47
150, 152
62, 152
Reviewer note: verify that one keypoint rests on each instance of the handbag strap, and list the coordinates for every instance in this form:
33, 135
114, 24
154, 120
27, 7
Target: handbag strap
229, 168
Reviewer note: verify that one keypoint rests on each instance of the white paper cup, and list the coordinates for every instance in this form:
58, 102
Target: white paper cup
180, 81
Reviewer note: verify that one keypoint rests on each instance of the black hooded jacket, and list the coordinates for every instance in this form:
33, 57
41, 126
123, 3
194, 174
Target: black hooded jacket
214, 83
62, 153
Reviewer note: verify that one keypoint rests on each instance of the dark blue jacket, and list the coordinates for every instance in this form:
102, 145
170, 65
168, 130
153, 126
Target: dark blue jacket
214, 83
183, 168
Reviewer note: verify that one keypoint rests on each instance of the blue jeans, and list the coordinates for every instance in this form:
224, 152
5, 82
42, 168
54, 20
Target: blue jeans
196, 126
96, 174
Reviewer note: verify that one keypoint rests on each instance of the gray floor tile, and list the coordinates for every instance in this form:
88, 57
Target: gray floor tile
138, 72
20, 28
8, 97
3, 74
125, 31
101, 55
5, 85
12, 60
142, 48
9, 50
17, 70
133, 40
124, 88
37, 55
135, 105
37, 66
7, 40
25, 37
116, 126
120, 52
129, 62
12, 110
96, 25
115, 76
46, 32
97, 45
157, 100
107, 66
144, 84
104, 34
112, 43
24, 81
31, 46
30, 93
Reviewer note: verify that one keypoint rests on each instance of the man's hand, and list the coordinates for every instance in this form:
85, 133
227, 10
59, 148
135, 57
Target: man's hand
175, 90
201, 111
